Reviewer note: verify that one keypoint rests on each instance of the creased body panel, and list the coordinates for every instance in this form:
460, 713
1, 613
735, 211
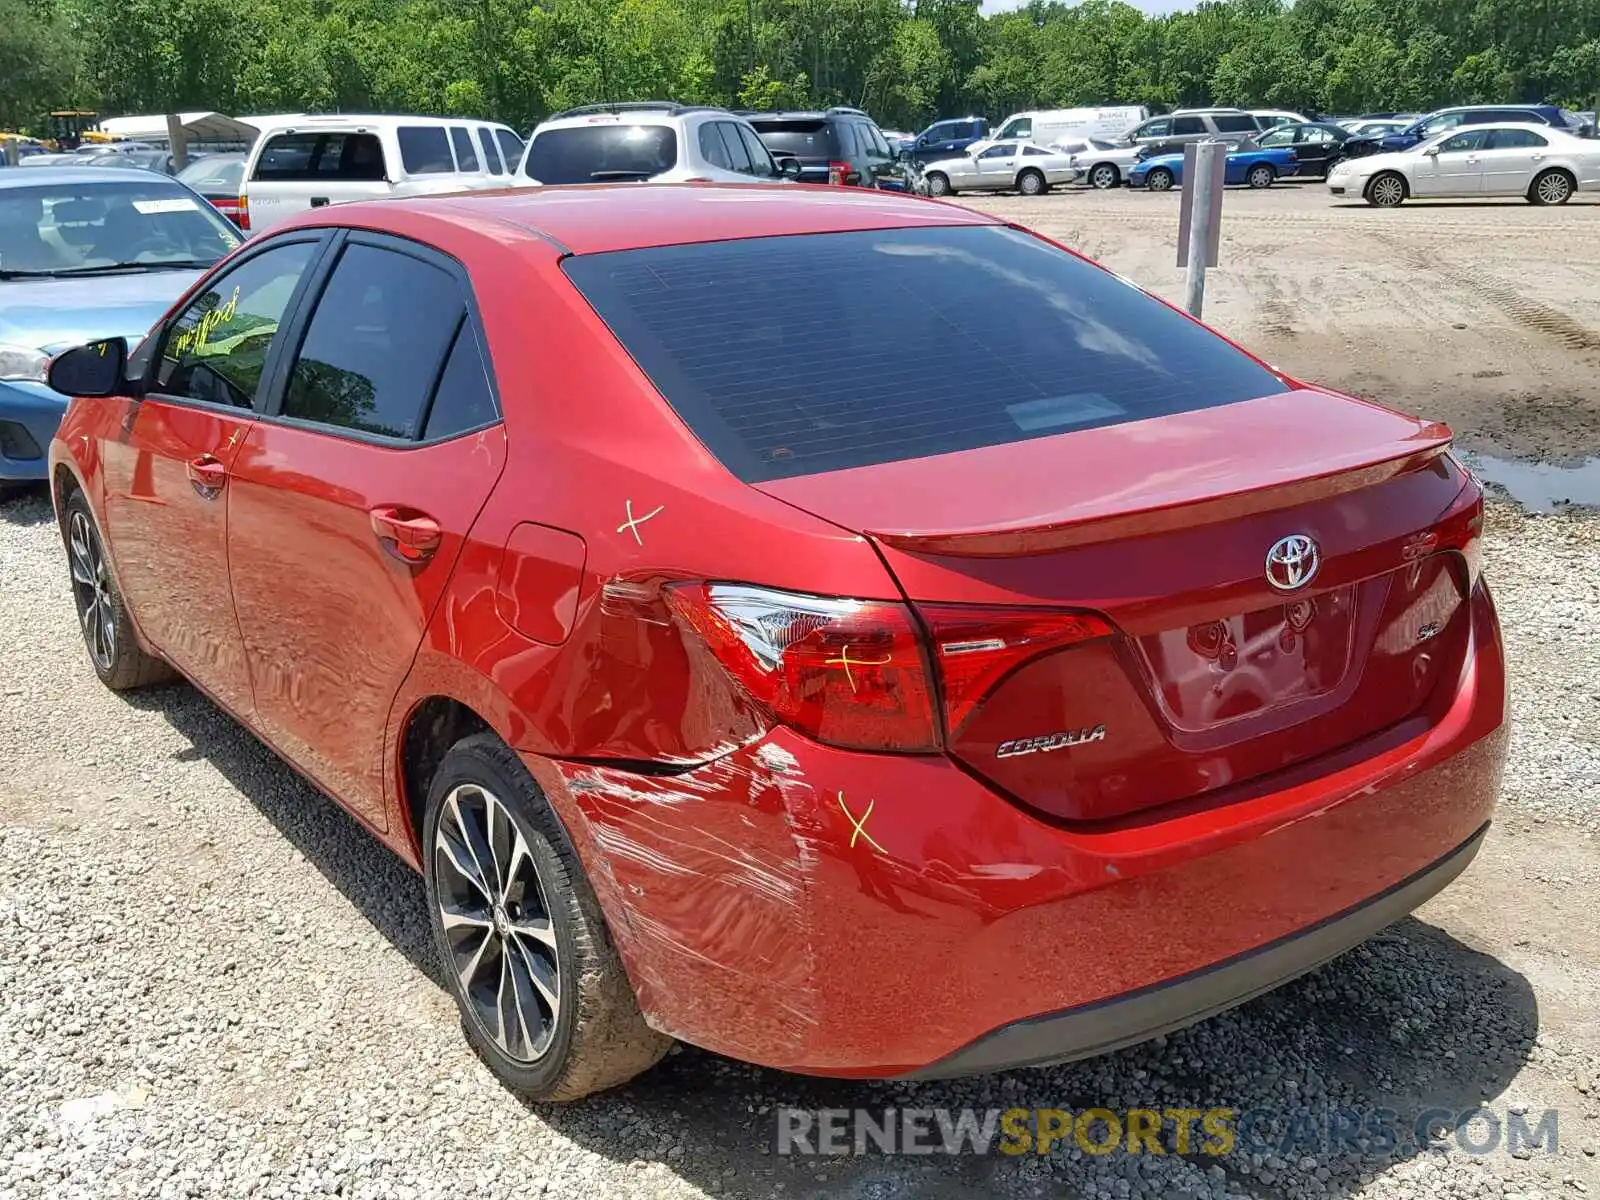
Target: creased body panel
846, 914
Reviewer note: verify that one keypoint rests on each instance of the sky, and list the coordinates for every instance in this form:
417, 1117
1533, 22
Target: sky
1154, 7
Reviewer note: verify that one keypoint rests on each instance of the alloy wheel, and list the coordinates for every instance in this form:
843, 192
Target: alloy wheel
1554, 188
496, 920
1104, 177
91, 590
1388, 191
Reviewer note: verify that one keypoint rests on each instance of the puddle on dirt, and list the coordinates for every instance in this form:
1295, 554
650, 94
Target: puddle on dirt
1541, 486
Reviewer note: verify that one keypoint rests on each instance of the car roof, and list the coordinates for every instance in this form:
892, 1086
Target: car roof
597, 218
44, 176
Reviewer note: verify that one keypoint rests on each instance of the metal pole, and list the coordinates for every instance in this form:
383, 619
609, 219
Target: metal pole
1202, 213
177, 142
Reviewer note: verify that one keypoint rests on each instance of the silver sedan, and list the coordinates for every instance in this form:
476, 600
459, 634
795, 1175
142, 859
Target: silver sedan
1000, 167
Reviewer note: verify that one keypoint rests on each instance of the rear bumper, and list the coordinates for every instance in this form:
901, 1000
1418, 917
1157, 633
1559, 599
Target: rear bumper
1101, 1028
871, 916
29, 416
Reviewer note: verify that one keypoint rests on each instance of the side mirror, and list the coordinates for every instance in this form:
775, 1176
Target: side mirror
1432, 152
788, 166
93, 370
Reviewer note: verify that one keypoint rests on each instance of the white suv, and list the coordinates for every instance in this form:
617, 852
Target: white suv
661, 141
302, 162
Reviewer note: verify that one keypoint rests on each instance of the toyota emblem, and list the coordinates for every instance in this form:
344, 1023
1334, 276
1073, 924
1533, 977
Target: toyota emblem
1292, 562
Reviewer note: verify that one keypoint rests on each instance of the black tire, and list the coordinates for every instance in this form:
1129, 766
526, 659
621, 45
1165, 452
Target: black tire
594, 1037
1387, 189
108, 634
1554, 186
1261, 176
1032, 183
939, 184
1159, 179
1104, 176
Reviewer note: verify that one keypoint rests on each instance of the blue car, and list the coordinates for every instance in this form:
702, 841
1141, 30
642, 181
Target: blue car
1257, 168
85, 254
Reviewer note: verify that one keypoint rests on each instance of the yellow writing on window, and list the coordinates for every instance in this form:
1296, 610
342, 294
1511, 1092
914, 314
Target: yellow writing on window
191, 340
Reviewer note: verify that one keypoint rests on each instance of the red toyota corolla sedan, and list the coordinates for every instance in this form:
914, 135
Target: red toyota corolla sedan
842, 631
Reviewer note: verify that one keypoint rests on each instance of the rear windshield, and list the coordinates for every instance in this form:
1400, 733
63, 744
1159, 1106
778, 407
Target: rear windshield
801, 138
597, 153
320, 157
795, 355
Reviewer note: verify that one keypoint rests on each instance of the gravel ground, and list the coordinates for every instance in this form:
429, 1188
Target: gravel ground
212, 983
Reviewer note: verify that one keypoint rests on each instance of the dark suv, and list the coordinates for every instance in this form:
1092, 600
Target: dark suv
1468, 114
841, 142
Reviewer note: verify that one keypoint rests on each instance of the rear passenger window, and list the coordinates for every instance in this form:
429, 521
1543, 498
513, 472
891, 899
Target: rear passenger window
375, 343
733, 145
510, 147
217, 347
1515, 139
711, 147
491, 157
1235, 123
1188, 125
311, 156
466, 155
463, 400
424, 150
760, 159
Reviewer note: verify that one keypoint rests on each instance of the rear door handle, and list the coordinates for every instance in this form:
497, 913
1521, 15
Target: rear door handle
319, 201
207, 475
407, 534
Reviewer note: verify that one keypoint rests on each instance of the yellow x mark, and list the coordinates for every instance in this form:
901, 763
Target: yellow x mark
859, 828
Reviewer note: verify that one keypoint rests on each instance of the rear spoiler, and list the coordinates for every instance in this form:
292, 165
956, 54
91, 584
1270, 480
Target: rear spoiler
1087, 523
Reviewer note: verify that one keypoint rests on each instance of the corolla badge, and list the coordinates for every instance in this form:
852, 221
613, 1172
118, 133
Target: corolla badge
1044, 743
1292, 562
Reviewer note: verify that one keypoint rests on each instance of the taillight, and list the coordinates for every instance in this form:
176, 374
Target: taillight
243, 218
976, 648
850, 673
838, 172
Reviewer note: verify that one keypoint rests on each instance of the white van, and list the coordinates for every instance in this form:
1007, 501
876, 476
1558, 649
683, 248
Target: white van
1053, 125
302, 162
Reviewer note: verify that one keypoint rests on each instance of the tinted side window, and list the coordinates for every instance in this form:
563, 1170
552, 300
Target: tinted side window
1003, 150
491, 156
463, 400
847, 140
1234, 123
1187, 125
954, 300
1516, 139
217, 347
425, 150
1154, 129
1278, 137
466, 154
711, 147
733, 147
760, 159
375, 343
510, 147
303, 157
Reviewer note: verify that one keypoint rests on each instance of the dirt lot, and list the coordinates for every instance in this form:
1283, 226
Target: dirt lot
213, 984
1486, 316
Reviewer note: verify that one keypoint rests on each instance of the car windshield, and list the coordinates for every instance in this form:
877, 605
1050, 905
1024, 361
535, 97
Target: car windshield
602, 153
121, 224
803, 138
224, 173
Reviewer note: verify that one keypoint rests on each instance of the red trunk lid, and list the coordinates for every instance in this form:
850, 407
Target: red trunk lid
1211, 675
